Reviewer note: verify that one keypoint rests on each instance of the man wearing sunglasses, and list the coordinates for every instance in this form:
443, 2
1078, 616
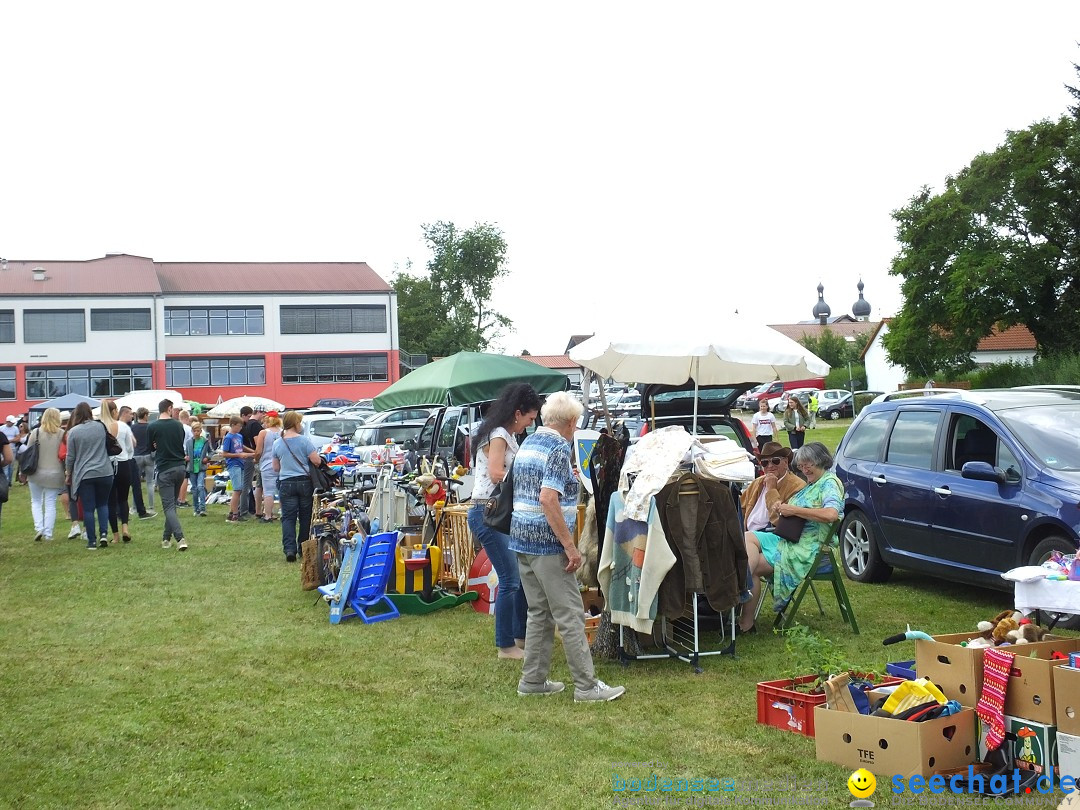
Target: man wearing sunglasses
777, 485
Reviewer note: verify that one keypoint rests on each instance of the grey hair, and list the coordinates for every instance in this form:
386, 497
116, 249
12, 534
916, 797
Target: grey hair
560, 409
815, 454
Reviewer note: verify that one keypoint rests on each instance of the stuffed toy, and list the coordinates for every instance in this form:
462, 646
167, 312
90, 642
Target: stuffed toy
1027, 633
1000, 626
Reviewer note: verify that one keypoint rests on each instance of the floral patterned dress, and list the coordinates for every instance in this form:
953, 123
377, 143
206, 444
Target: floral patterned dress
797, 558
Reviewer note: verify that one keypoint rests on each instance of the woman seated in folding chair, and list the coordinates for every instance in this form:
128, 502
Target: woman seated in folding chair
787, 562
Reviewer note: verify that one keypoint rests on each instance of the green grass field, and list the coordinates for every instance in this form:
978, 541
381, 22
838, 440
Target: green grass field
140, 677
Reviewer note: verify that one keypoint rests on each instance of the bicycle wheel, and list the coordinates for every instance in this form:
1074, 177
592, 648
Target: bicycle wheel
329, 559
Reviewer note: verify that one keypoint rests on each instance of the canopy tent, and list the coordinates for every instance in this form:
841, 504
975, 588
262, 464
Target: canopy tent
65, 403
231, 407
468, 377
705, 352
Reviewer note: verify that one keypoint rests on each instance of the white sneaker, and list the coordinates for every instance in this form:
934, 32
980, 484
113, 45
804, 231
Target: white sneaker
166, 543
75, 531
546, 688
599, 693
84, 536
181, 545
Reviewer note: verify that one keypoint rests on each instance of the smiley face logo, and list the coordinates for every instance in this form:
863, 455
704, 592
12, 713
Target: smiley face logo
862, 784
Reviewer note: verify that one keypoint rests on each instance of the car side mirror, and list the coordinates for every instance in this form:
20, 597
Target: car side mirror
981, 471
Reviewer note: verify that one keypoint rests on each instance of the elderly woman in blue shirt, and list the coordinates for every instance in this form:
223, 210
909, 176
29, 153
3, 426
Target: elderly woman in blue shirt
545, 507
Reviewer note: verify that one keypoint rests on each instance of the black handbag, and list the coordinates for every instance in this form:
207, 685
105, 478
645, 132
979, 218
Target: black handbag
789, 528
321, 477
28, 461
500, 506
112, 446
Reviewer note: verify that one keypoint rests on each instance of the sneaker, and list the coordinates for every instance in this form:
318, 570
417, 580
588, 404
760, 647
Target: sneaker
48, 538
148, 516
75, 531
242, 518
103, 543
83, 536
183, 505
200, 514
91, 547
546, 688
600, 692
37, 537
181, 545
166, 543
290, 558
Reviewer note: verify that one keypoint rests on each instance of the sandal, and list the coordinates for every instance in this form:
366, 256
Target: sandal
126, 538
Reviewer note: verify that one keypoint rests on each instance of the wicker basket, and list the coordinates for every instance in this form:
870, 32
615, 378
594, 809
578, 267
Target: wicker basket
456, 541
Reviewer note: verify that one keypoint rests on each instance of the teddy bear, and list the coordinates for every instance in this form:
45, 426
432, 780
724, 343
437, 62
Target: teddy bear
1000, 626
1027, 633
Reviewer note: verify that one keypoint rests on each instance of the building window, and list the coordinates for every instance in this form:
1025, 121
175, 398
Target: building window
333, 320
119, 320
7, 326
327, 368
54, 326
183, 321
7, 383
93, 381
199, 372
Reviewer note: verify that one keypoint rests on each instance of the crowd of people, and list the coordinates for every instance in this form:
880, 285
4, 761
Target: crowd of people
90, 470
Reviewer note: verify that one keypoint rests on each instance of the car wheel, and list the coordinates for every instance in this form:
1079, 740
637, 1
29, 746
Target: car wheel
834, 415
859, 552
1039, 555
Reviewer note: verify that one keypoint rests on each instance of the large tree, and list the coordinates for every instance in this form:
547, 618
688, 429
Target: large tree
448, 310
999, 246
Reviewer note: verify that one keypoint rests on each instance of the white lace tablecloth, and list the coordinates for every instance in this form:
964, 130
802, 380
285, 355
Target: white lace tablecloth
1056, 596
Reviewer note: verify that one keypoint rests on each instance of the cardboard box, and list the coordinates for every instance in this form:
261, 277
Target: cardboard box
1030, 693
958, 672
1068, 746
888, 747
1067, 701
1035, 748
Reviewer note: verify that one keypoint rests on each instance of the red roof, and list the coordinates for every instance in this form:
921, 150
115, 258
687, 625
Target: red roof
138, 275
1015, 338
255, 277
133, 274
551, 360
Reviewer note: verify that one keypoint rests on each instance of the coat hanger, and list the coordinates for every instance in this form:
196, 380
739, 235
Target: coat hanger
685, 481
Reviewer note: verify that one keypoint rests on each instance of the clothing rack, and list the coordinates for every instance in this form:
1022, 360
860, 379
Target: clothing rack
684, 638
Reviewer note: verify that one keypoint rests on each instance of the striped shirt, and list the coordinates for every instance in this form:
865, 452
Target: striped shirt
542, 461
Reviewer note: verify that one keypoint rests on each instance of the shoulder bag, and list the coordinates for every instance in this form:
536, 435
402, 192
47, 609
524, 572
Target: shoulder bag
500, 506
321, 478
112, 446
28, 461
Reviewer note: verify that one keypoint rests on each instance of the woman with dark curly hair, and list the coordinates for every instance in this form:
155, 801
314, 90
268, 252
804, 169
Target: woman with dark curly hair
494, 445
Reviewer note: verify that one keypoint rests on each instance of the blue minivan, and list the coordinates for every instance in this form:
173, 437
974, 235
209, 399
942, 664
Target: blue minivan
963, 485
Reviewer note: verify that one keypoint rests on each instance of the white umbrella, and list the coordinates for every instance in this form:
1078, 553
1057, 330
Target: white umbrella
150, 400
709, 352
231, 407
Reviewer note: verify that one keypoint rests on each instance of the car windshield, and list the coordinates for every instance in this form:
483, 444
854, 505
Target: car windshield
1051, 434
331, 427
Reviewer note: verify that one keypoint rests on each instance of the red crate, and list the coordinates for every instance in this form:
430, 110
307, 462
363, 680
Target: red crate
780, 706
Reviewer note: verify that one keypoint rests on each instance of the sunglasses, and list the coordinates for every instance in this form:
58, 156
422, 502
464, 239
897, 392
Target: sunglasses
771, 462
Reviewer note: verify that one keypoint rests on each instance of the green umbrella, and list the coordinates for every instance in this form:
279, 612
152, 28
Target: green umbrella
467, 377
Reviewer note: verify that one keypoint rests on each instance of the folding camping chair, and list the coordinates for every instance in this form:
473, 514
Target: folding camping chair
826, 568
361, 583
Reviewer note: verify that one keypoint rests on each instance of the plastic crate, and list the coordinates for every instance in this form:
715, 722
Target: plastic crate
902, 669
780, 706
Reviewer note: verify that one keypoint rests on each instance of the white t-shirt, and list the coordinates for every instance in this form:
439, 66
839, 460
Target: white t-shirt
764, 424
126, 439
483, 484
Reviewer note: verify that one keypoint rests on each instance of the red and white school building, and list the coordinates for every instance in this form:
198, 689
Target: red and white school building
293, 332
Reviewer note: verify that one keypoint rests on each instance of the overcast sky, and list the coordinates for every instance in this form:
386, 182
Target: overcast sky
649, 163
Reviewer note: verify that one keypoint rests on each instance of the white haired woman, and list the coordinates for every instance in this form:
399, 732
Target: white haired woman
820, 503
545, 507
